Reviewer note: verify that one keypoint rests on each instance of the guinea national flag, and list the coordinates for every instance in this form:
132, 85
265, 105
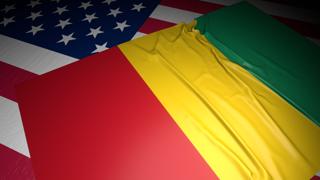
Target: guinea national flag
169, 105
241, 127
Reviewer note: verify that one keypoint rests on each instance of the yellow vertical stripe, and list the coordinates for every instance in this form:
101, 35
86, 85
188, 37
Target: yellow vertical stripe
240, 127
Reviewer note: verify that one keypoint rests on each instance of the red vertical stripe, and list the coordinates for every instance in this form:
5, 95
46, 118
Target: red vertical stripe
103, 122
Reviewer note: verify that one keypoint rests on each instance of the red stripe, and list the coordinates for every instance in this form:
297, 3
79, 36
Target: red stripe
304, 28
97, 119
312, 5
14, 166
152, 25
9, 77
307, 29
192, 5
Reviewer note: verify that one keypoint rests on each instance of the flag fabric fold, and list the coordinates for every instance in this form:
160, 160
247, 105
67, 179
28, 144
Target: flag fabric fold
241, 127
282, 59
232, 95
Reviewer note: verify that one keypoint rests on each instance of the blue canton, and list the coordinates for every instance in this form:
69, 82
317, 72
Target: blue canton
74, 28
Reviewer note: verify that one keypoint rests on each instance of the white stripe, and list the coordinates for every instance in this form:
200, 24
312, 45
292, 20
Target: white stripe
277, 9
138, 34
316, 41
30, 57
11, 128
318, 174
173, 15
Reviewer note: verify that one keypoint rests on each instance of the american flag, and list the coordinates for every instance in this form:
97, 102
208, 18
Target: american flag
38, 36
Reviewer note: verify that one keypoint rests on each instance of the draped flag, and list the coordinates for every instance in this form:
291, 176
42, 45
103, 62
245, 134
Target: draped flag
188, 106
242, 128
288, 63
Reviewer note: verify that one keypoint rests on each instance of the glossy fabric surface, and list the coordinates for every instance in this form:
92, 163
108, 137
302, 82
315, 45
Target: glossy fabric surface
241, 127
97, 119
279, 57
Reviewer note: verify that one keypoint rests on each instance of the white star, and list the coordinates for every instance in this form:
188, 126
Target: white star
95, 32
138, 7
66, 38
114, 12
35, 29
89, 18
6, 21
33, 15
121, 26
8, 8
33, 3
108, 1
63, 23
61, 10
100, 48
85, 5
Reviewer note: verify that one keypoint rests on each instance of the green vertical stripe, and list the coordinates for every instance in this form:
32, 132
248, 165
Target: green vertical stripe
282, 59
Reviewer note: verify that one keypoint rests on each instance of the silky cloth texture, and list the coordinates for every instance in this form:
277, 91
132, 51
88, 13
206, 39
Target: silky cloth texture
279, 57
242, 128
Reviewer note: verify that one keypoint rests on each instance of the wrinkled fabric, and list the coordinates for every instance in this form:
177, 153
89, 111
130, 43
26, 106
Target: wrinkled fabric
240, 127
286, 62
